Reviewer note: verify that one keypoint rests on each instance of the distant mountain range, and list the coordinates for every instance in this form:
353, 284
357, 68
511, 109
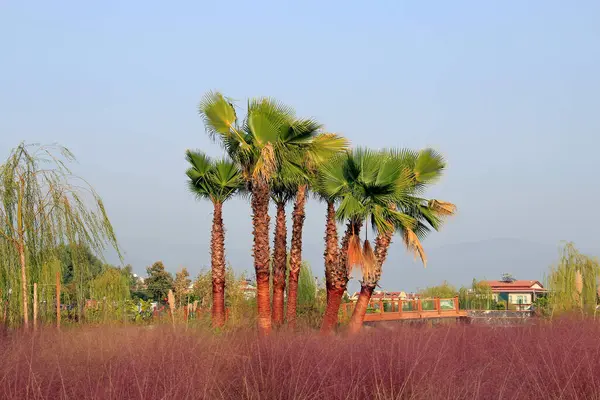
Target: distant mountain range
460, 263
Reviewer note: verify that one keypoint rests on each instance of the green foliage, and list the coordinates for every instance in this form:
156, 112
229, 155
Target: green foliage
478, 297
443, 291
564, 295
180, 286
271, 138
210, 179
111, 285
158, 282
307, 287
52, 217
384, 188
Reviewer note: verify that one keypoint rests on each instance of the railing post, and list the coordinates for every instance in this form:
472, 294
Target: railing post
456, 303
381, 308
400, 307
419, 307
439, 305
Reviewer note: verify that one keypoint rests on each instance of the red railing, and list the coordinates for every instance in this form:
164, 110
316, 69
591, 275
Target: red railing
398, 309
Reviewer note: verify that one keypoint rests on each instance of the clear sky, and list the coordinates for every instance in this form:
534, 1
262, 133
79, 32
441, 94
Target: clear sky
506, 90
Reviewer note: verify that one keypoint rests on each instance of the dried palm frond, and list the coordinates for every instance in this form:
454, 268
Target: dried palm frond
369, 264
267, 163
355, 255
442, 208
413, 245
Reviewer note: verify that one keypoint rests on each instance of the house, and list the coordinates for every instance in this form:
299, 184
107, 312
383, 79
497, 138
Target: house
248, 289
517, 294
383, 296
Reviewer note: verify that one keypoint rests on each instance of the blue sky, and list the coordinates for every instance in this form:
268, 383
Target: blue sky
504, 89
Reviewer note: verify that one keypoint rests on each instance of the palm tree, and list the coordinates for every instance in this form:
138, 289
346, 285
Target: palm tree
270, 138
328, 187
399, 209
361, 180
217, 181
283, 190
324, 147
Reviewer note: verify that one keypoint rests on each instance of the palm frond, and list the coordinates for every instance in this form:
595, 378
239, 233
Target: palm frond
355, 254
218, 113
413, 245
369, 264
429, 166
442, 208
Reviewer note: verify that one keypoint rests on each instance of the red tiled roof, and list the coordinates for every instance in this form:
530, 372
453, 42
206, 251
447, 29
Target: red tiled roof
514, 285
382, 294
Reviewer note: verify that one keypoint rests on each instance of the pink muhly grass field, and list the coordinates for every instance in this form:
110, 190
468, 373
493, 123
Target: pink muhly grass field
547, 361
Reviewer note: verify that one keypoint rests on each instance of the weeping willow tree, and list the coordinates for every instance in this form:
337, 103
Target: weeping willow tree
46, 207
573, 282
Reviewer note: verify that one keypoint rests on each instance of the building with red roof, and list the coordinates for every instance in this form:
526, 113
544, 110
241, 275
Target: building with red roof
517, 294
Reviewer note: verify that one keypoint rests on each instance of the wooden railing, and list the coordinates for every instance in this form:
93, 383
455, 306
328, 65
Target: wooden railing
398, 309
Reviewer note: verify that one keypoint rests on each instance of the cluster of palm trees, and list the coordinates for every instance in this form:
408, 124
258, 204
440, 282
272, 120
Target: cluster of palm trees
272, 155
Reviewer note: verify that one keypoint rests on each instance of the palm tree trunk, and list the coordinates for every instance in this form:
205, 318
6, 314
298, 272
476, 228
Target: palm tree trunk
295, 254
337, 280
382, 244
260, 222
279, 265
358, 316
217, 254
335, 273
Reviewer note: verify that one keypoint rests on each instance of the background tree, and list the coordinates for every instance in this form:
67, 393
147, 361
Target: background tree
443, 291
44, 205
110, 286
573, 282
217, 181
478, 297
181, 286
158, 282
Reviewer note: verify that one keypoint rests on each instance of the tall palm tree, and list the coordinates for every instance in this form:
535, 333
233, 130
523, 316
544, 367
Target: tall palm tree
324, 147
404, 211
363, 181
269, 138
283, 190
217, 181
328, 186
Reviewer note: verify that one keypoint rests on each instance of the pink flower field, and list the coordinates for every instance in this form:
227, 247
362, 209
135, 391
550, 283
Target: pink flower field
559, 360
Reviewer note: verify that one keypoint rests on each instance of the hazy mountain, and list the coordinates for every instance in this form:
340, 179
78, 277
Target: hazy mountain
460, 263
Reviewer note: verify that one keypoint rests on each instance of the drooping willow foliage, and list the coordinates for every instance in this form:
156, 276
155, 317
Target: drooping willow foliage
44, 209
573, 282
